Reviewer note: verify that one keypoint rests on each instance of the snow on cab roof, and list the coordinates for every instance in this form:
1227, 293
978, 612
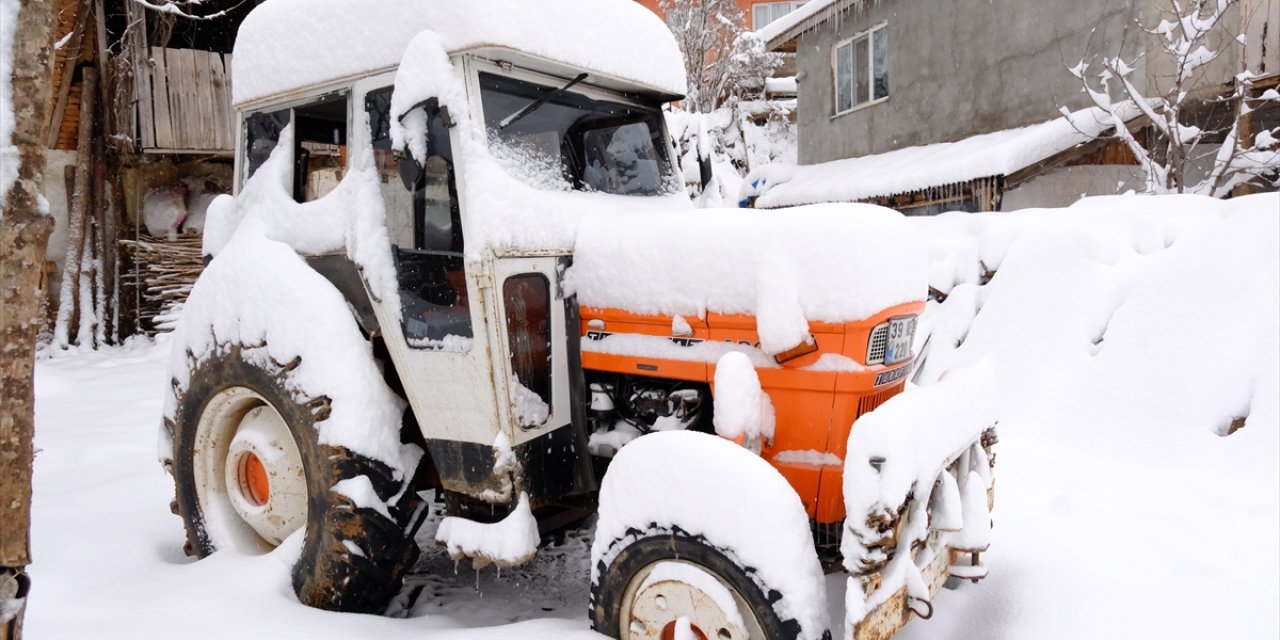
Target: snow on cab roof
999, 153
287, 45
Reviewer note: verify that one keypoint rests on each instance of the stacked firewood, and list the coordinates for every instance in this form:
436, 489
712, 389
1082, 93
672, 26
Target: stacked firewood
163, 274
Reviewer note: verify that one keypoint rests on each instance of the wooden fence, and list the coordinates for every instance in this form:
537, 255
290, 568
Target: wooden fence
184, 101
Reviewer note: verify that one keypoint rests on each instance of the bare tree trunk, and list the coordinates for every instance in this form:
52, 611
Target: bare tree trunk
24, 236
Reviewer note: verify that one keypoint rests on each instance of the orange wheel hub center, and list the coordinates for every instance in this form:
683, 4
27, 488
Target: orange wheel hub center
253, 480
669, 631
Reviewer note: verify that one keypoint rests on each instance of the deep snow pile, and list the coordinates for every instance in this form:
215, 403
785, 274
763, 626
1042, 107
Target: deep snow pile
1120, 510
1129, 334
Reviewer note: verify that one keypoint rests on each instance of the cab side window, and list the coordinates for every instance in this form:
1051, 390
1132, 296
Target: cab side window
423, 220
320, 147
319, 144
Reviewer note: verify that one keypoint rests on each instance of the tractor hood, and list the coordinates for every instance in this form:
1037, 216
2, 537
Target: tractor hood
786, 267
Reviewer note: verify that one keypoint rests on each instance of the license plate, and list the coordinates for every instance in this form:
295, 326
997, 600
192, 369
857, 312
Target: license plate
901, 333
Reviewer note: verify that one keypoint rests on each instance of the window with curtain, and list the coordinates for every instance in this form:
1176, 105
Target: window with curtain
762, 13
861, 69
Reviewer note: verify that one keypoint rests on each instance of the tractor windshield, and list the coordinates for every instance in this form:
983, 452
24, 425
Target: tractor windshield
553, 138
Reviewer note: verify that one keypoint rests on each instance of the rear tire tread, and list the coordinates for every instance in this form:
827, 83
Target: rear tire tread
327, 575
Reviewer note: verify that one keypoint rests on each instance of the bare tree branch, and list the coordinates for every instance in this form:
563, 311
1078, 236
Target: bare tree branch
1191, 37
183, 8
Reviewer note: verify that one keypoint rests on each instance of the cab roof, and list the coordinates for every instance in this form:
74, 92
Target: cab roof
286, 46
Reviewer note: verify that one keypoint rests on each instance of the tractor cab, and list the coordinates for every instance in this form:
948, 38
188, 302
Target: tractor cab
480, 161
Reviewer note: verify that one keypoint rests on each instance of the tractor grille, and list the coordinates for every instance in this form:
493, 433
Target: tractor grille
867, 404
879, 342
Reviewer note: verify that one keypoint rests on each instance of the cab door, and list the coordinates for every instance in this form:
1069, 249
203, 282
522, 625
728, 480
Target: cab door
435, 325
534, 363
538, 362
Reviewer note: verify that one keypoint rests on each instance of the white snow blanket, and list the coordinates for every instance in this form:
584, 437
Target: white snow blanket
923, 167
285, 45
1116, 493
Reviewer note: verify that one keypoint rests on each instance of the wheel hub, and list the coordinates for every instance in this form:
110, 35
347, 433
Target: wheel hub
264, 477
250, 482
677, 593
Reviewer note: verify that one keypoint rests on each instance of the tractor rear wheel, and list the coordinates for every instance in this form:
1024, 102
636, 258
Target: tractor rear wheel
250, 471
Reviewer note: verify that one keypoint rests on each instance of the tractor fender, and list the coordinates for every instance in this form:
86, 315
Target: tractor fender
712, 490
258, 293
344, 275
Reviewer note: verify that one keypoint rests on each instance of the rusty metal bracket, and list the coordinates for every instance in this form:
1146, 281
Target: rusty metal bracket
928, 612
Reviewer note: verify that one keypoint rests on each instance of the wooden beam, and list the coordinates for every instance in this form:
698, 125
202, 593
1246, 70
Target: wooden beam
221, 97
72, 55
1053, 162
160, 93
136, 54
201, 130
182, 105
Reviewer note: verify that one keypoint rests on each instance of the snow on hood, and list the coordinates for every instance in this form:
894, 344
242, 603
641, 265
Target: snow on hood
846, 262
285, 45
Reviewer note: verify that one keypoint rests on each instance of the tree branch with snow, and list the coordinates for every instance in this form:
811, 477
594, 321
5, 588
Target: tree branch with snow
186, 9
1187, 152
721, 58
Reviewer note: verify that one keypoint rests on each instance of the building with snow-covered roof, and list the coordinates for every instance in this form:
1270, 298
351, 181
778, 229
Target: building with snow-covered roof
891, 83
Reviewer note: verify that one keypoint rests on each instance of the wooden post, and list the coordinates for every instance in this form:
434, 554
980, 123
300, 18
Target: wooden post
77, 216
24, 234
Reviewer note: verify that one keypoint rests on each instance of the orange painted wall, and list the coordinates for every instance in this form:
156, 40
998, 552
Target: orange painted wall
745, 5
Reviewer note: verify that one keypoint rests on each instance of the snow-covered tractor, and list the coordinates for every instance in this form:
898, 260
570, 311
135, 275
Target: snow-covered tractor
460, 259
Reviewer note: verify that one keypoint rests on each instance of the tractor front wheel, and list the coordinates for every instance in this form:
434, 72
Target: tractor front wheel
667, 579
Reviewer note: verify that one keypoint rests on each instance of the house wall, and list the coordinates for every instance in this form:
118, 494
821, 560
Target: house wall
955, 69
1261, 52
1062, 187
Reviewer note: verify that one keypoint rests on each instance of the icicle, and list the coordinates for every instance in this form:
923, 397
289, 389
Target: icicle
945, 506
976, 534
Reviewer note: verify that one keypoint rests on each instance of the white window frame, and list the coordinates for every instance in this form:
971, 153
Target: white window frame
870, 99
756, 25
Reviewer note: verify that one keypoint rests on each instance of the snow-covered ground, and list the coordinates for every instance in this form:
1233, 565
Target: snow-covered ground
1127, 333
